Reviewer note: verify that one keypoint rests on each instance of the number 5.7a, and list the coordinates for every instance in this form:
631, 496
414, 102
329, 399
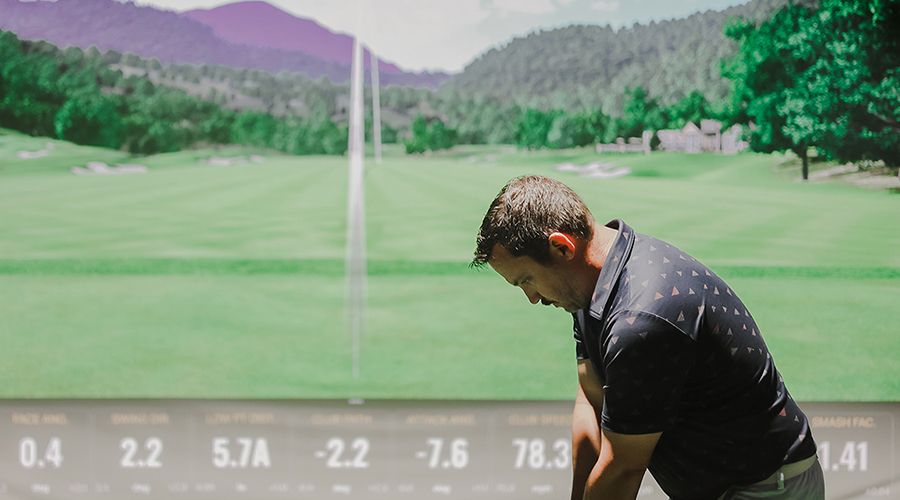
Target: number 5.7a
253, 453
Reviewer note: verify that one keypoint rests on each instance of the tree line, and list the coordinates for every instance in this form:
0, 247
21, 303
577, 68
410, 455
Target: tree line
73, 95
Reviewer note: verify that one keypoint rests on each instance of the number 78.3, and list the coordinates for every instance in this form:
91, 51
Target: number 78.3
534, 452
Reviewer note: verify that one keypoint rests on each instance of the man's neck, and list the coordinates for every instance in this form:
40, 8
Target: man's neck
601, 244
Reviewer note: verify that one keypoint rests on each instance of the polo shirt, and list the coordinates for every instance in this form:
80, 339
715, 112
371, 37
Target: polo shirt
677, 352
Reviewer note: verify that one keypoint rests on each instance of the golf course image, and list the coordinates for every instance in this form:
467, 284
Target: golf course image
204, 280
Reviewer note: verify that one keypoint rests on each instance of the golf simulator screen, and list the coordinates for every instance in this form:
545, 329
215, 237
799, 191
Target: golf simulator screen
372, 449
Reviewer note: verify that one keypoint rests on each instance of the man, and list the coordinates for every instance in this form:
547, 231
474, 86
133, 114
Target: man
673, 374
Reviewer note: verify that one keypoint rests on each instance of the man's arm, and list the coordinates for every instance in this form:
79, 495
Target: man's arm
606, 464
621, 466
585, 427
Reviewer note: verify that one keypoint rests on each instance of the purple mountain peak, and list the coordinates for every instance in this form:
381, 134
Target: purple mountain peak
263, 25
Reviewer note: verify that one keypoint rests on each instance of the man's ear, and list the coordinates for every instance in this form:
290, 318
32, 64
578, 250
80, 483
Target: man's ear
563, 245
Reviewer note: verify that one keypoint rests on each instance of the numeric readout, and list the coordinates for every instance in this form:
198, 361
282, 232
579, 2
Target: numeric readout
250, 452
534, 453
29, 457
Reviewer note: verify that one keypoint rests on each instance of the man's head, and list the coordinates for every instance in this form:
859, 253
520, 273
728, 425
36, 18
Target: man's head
524, 215
535, 235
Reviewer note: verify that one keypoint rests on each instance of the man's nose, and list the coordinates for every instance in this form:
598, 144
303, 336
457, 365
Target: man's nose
533, 296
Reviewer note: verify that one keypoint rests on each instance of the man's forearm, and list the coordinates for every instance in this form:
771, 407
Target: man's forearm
623, 461
610, 483
585, 447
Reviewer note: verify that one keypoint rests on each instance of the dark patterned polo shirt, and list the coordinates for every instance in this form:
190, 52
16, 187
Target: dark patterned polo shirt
677, 352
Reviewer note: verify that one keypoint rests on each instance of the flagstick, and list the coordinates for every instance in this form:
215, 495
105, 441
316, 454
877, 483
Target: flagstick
355, 305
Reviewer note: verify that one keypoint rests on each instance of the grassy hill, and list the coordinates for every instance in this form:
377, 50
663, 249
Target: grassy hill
195, 280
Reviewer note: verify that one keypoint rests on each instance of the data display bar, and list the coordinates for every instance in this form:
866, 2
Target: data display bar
374, 449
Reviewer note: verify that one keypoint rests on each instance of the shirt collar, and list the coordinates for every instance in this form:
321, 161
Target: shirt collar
612, 267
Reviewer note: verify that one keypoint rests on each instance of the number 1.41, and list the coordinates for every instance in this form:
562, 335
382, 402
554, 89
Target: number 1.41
854, 457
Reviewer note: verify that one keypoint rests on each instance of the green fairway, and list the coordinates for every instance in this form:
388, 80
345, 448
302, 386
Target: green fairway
194, 280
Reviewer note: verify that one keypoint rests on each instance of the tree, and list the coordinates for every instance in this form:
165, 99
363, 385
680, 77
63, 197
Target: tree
440, 136
29, 91
164, 120
825, 78
577, 130
534, 127
253, 128
692, 108
73, 58
90, 119
217, 128
433, 136
93, 53
132, 60
419, 142
330, 139
112, 56
641, 113
768, 63
848, 100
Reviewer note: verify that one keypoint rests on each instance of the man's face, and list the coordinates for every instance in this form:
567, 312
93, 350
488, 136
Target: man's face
548, 284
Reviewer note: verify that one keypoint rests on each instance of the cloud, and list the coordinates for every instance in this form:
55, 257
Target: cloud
605, 6
524, 6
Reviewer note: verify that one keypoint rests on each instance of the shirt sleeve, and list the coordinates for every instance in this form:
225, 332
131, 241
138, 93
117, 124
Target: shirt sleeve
646, 360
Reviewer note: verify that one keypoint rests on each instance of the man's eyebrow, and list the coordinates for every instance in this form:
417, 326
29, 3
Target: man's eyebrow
521, 279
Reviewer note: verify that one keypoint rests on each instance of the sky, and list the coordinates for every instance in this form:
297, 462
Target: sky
446, 35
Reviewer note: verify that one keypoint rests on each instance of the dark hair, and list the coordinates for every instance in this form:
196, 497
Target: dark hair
525, 213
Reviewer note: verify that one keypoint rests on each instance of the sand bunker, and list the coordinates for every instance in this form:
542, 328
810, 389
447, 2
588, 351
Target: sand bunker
234, 160
30, 155
595, 169
100, 168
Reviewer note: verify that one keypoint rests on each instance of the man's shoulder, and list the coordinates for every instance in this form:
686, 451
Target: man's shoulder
660, 280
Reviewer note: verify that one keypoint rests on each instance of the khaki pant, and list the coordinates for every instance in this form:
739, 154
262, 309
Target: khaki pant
809, 485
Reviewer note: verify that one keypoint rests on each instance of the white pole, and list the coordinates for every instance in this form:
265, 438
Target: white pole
355, 305
376, 106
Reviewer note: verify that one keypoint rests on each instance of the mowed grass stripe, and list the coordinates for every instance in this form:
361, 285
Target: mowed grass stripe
335, 267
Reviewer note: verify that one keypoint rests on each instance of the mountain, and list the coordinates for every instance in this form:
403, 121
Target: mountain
263, 25
595, 64
168, 37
